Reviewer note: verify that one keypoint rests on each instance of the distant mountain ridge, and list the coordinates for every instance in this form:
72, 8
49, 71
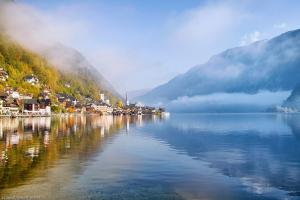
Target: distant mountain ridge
270, 65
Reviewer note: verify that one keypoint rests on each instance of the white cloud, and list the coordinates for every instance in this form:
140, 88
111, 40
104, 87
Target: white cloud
206, 24
116, 64
37, 30
280, 26
251, 37
265, 98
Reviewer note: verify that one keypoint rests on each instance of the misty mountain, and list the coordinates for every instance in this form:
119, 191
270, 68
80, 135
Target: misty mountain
293, 101
29, 37
71, 62
132, 95
55, 68
271, 65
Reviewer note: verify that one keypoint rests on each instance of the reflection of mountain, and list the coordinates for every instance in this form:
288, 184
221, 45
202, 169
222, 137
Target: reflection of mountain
256, 148
293, 121
293, 101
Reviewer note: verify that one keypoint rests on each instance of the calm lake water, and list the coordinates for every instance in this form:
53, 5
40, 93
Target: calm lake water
228, 156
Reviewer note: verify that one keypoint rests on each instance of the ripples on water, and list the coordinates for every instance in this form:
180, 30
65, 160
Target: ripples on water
242, 156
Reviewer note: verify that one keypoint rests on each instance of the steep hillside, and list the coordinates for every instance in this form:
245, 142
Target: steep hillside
71, 62
80, 82
293, 101
271, 65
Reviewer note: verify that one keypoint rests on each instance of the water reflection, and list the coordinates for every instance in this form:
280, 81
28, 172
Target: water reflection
261, 151
29, 145
253, 156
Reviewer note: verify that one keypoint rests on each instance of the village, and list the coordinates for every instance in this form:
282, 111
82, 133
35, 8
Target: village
15, 104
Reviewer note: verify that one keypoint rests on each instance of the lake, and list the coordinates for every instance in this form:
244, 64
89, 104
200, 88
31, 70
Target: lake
184, 156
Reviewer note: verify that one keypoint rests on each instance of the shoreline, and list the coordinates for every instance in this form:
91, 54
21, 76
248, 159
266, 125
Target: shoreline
75, 114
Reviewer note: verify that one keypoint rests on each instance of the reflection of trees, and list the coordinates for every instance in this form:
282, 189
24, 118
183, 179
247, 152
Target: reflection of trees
293, 121
32, 144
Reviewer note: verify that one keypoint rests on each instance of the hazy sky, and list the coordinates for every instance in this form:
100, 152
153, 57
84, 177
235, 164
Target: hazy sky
139, 44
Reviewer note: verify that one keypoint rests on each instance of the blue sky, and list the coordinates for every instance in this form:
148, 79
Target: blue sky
140, 44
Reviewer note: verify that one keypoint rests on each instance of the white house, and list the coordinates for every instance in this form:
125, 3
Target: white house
15, 95
31, 79
102, 97
103, 108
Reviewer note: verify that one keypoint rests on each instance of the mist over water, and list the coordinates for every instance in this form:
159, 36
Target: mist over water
187, 156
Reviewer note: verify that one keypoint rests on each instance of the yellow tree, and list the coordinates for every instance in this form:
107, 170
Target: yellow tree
119, 104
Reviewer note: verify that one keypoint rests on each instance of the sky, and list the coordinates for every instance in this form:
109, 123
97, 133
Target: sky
141, 44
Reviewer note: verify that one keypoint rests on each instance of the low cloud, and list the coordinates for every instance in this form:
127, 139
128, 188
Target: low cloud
117, 64
224, 102
205, 24
280, 26
43, 33
251, 37
37, 30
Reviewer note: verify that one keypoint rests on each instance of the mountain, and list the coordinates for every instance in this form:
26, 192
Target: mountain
271, 65
293, 101
71, 62
54, 71
136, 93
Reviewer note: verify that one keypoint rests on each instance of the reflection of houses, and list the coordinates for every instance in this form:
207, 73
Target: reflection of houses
3, 75
31, 79
8, 124
32, 152
12, 139
3, 157
32, 125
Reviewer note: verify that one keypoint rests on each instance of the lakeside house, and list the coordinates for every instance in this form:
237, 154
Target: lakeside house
10, 107
13, 103
31, 107
66, 101
102, 108
33, 80
67, 85
37, 107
